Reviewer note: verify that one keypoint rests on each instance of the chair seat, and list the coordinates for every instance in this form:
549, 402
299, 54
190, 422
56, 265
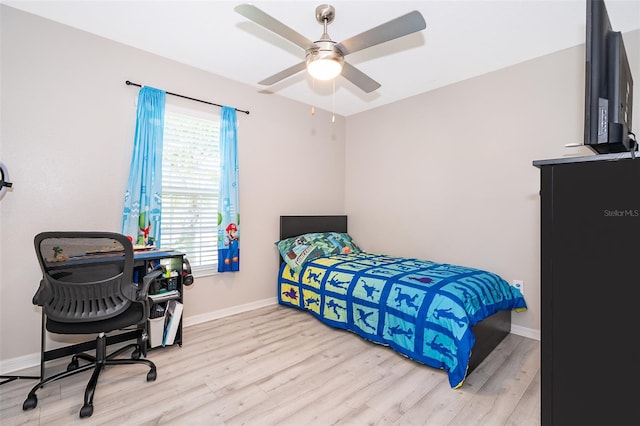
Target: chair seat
133, 315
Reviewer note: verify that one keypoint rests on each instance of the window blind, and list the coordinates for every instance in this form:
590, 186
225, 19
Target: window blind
190, 187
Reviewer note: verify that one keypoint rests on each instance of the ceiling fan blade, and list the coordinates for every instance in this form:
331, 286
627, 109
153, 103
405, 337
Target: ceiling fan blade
399, 27
256, 15
360, 79
283, 74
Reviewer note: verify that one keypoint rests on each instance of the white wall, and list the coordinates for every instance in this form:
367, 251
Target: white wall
447, 175
67, 132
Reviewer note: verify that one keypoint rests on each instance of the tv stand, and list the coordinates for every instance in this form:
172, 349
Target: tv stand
590, 289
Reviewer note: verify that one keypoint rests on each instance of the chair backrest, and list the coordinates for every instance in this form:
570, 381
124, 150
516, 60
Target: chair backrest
87, 276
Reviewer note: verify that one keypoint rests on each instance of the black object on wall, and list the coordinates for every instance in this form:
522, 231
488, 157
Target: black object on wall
4, 180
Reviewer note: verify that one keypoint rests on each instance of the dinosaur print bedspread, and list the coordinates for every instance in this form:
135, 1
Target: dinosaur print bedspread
422, 309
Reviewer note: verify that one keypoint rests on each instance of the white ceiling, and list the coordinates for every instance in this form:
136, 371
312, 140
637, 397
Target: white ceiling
463, 39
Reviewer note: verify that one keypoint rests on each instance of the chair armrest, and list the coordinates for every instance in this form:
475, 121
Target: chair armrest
146, 282
42, 296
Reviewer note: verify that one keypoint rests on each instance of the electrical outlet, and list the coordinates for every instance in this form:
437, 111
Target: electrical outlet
519, 284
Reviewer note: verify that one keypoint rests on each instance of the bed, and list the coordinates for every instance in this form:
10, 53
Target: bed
444, 316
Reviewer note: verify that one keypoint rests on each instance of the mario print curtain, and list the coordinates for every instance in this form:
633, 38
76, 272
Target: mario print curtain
143, 199
228, 209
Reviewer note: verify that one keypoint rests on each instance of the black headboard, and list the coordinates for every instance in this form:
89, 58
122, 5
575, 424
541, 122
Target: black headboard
291, 226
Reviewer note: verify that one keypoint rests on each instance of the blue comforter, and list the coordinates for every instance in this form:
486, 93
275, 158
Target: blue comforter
422, 309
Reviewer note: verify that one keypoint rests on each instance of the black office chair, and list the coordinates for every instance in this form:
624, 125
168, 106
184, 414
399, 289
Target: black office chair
87, 288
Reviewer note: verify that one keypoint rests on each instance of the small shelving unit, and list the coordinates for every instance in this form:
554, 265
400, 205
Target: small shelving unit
165, 292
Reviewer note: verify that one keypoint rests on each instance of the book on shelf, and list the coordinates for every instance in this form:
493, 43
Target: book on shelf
173, 315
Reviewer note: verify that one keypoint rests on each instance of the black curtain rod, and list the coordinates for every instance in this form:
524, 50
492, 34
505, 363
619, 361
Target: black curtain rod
129, 83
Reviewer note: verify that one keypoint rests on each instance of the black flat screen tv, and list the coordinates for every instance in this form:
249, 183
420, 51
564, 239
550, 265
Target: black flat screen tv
608, 86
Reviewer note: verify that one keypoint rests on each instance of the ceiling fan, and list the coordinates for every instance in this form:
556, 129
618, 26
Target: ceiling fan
324, 58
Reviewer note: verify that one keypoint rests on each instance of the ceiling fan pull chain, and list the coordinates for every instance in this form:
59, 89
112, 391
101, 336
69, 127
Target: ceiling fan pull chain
333, 103
313, 85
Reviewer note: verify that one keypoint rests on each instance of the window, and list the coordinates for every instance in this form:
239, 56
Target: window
190, 186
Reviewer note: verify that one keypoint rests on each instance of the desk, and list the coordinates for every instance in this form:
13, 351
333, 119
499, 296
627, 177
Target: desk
144, 262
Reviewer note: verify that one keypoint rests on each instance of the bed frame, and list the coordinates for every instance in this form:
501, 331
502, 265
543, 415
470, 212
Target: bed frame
489, 333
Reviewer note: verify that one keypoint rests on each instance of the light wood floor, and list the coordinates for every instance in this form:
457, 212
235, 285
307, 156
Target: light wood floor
281, 366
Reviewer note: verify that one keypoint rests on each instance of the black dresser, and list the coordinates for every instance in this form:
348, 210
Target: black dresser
590, 290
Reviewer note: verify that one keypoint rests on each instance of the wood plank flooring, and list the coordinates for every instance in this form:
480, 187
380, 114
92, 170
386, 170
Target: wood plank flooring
281, 366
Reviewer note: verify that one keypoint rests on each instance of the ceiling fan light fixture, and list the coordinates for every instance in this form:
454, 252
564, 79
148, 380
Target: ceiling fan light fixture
324, 62
324, 69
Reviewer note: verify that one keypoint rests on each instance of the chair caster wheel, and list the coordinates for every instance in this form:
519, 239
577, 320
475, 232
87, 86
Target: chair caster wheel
135, 354
151, 376
73, 365
86, 411
30, 403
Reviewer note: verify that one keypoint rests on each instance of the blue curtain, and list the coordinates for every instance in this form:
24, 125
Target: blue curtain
143, 199
228, 208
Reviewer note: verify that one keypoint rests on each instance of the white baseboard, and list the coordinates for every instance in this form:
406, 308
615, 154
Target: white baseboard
209, 316
525, 332
20, 363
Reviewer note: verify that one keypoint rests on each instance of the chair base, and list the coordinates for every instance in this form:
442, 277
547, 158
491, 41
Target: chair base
97, 363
